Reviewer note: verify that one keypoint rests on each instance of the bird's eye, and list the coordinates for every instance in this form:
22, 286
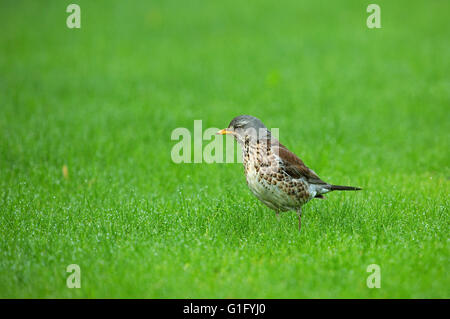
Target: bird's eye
240, 124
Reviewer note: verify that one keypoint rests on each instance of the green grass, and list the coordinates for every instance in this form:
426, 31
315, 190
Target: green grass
361, 107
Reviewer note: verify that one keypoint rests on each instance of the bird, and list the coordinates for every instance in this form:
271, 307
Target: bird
274, 174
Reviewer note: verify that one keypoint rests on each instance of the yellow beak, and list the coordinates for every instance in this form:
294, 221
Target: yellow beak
224, 132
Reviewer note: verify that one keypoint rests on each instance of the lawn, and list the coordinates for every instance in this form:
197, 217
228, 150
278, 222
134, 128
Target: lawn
362, 107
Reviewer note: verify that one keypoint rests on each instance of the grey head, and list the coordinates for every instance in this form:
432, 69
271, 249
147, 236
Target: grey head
244, 127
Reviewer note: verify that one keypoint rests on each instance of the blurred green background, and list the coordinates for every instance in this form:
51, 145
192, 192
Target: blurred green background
364, 107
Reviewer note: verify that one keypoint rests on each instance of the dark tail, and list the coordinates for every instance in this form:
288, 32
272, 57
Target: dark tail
343, 188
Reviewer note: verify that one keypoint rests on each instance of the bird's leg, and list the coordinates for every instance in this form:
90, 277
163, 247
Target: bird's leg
299, 213
278, 215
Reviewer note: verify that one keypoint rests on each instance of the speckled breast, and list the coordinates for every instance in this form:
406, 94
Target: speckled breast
268, 181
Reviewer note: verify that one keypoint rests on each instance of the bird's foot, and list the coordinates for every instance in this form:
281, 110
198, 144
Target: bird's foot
299, 213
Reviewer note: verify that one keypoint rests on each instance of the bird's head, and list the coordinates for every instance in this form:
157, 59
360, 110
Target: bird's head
245, 126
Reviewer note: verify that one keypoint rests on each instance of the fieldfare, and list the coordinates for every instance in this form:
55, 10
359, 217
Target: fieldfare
275, 175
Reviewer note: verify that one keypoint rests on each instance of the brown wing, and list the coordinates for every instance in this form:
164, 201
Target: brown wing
294, 166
